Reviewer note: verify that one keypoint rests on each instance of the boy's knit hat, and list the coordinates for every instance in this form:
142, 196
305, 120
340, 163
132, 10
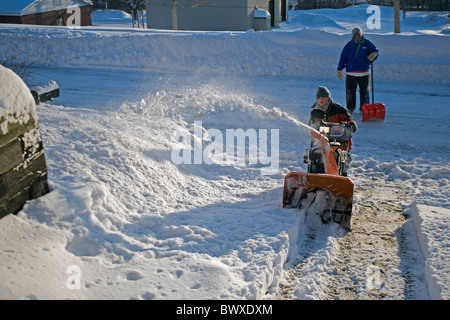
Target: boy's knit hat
322, 92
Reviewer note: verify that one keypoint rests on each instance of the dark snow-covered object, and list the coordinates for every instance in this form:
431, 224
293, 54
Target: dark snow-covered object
23, 171
45, 91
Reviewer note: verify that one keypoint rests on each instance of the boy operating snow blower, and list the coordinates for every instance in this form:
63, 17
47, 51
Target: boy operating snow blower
325, 189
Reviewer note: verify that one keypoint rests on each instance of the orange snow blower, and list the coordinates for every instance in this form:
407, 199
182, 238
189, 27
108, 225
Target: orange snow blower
372, 110
324, 190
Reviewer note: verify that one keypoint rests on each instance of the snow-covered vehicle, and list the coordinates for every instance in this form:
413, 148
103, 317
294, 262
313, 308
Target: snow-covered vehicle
43, 89
324, 189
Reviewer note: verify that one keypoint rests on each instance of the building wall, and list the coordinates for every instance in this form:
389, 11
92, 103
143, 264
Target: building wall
54, 17
57, 17
215, 15
10, 19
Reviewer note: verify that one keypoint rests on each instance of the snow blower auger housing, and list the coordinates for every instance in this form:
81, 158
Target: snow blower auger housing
324, 190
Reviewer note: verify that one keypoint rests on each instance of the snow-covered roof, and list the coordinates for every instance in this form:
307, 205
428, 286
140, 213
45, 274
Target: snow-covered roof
24, 7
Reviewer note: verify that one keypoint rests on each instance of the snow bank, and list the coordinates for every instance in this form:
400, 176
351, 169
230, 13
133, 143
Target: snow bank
432, 224
344, 20
111, 18
304, 52
135, 225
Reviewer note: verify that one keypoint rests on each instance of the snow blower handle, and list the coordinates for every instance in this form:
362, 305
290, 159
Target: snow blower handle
339, 132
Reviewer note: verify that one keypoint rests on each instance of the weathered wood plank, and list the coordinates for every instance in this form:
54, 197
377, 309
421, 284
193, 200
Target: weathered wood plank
15, 203
10, 155
21, 184
16, 129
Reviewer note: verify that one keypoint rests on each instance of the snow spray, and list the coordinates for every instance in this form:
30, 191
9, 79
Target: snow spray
239, 147
236, 147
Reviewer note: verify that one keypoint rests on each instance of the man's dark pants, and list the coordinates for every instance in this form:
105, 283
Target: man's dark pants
351, 83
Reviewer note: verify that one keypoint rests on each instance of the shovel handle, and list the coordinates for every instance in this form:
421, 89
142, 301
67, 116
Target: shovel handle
371, 81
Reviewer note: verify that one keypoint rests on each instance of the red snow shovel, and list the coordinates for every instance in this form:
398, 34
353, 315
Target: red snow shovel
372, 110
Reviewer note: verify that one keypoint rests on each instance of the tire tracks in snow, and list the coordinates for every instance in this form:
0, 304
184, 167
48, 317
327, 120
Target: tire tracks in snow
378, 259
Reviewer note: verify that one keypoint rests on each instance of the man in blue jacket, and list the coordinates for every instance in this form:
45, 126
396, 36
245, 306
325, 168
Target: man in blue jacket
356, 58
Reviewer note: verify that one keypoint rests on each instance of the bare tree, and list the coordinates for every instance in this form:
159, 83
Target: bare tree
19, 61
135, 4
396, 16
174, 15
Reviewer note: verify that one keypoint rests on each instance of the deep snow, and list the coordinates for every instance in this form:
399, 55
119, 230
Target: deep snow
129, 223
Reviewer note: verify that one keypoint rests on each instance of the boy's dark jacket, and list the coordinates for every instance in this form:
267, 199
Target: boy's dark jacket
335, 113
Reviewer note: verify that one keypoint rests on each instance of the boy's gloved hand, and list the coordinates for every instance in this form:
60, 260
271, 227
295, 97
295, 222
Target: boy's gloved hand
352, 125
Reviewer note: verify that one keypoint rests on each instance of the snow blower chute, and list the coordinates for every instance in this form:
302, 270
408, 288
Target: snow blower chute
372, 110
324, 190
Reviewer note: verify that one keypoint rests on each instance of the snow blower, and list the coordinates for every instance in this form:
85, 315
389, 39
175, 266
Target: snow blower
324, 190
372, 110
